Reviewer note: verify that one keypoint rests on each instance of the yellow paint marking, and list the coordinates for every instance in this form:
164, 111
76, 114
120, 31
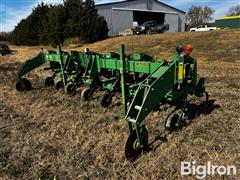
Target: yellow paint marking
229, 17
180, 71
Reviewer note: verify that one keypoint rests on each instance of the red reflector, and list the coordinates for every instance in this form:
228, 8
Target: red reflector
188, 49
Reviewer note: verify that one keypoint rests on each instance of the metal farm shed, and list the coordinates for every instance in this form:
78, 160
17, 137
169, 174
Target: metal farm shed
230, 22
121, 15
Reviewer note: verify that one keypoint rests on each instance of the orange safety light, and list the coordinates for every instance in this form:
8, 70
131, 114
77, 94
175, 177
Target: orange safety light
187, 49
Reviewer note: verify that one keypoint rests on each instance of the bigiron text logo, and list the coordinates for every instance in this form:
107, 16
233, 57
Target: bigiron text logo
202, 171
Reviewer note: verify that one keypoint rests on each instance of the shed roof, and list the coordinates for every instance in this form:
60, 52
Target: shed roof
229, 17
124, 1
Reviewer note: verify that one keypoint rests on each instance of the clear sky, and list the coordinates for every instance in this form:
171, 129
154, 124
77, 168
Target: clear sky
12, 11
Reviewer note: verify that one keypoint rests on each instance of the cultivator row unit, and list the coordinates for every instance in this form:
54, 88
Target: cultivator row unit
145, 84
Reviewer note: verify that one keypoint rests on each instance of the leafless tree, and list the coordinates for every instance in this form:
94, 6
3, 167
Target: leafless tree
198, 15
234, 11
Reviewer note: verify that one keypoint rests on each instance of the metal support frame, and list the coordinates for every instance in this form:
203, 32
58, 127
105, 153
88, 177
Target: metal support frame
164, 81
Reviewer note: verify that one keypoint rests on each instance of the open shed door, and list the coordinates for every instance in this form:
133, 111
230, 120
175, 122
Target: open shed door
143, 16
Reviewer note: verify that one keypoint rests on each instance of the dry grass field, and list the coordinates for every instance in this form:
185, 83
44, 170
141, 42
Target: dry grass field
45, 133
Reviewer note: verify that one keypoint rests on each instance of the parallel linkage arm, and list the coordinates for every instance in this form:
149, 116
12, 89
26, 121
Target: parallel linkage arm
30, 64
149, 95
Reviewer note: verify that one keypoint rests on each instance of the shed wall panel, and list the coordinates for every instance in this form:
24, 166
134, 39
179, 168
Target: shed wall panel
173, 21
182, 22
107, 14
124, 19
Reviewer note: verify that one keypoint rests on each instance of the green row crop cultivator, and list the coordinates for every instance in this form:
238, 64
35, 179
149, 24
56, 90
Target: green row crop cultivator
144, 83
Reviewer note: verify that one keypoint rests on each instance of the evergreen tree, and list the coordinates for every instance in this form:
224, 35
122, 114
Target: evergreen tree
52, 24
75, 16
84, 21
40, 17
5, 36
23, 34
94, 27
32, 31
57, 19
